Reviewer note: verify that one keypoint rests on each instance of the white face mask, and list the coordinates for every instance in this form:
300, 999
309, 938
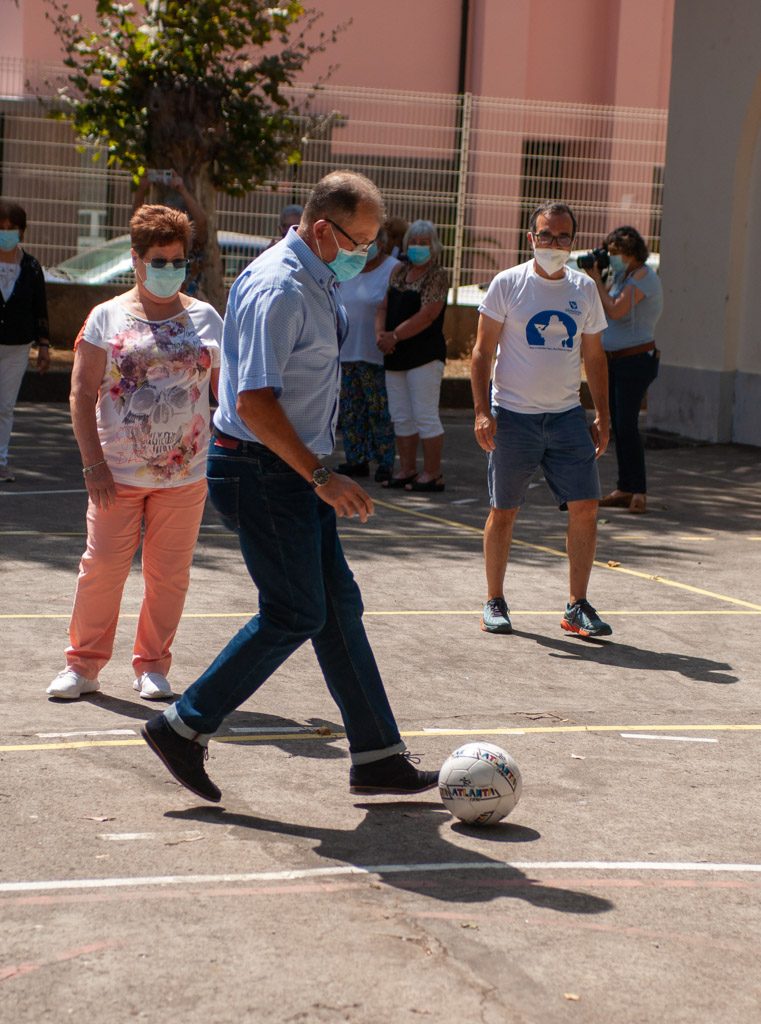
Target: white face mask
551, 260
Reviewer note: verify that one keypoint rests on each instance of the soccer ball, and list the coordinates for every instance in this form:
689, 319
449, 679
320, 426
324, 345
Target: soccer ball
480, 783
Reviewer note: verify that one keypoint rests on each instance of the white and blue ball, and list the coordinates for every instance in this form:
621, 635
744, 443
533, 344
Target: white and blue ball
480, 783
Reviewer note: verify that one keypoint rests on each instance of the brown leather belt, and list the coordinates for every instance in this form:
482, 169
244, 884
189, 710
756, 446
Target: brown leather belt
225, 441
634, 350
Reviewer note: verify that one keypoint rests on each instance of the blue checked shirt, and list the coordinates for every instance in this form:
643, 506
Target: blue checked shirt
283, 329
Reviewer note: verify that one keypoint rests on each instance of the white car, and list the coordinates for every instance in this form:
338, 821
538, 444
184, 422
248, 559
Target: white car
111, 263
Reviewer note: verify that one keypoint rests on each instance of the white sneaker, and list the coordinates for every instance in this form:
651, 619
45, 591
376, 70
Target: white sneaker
153, 686
69, 685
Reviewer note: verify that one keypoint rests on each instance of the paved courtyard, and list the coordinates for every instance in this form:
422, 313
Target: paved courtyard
623, 888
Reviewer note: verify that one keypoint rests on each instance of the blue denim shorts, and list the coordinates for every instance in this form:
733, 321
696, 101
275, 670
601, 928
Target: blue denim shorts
558, 442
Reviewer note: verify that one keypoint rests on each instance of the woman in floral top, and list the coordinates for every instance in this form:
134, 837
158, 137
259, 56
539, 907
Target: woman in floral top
409, 328
140, 411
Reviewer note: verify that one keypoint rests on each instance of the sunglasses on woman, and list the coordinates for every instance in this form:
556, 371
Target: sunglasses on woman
158, 263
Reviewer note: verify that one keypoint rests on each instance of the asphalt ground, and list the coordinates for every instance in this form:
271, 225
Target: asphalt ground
623, 888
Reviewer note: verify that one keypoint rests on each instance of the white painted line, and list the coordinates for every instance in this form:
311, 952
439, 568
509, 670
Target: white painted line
508, 732
377, 869
126, 836
275, 730
680, 739
463, 501
92, 732
31, 494
169, 837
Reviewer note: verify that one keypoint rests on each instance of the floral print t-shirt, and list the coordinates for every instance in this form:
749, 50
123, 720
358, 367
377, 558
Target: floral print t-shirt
153, 406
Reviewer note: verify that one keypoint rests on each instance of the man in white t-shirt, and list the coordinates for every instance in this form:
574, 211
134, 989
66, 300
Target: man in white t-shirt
540, 318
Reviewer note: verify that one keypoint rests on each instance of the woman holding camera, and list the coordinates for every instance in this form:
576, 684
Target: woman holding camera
633, 305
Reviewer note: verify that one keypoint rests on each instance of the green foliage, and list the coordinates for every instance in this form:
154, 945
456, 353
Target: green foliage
196, 86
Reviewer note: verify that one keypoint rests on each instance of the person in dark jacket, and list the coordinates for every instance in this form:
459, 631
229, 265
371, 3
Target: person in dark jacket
23, 319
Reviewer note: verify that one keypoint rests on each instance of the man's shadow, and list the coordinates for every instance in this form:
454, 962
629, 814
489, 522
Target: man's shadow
315, 744
400, 840
610, 652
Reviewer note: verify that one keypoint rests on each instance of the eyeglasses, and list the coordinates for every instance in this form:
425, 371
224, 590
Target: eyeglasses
544, 240
158, 263
359, 247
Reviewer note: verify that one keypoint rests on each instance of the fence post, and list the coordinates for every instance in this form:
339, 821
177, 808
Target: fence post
466, 108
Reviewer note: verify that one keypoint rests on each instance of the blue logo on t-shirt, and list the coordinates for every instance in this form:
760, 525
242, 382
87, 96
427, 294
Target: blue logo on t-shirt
551, 329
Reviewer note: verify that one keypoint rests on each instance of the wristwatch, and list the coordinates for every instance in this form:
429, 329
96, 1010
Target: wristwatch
320, 476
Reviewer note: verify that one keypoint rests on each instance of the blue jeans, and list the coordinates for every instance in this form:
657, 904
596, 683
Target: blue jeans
559, 442
291, 548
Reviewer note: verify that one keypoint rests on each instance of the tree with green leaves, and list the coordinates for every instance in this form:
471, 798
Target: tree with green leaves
199, 87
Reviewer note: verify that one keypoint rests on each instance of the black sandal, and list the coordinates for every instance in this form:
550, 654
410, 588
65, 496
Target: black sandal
437, 485
400, 481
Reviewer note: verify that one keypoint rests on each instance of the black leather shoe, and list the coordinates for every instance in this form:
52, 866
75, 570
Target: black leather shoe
184, 758
382, 474
394, 774
353, 469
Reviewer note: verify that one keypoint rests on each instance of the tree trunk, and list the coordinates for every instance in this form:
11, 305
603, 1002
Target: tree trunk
212, 279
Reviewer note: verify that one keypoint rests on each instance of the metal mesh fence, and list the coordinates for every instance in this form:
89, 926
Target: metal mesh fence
474, 166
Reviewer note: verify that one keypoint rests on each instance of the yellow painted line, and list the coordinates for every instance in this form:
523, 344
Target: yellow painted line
407, 536
552, 613
417, 733
41, 533
561, 554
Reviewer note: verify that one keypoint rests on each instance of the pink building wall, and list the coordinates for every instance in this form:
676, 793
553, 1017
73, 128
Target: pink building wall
612, 52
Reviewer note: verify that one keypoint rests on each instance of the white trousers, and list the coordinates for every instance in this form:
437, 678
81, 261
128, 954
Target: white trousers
14, 360
413, 400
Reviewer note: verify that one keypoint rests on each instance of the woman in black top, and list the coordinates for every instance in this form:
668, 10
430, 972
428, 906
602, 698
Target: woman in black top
23, 319
409, 327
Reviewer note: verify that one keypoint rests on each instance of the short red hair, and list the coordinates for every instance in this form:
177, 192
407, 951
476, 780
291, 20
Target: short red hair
159, 225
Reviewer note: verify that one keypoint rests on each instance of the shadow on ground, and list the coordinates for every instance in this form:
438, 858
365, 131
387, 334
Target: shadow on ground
618, 655
386, 845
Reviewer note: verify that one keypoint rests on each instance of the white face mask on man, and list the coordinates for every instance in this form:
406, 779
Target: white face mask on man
551, 260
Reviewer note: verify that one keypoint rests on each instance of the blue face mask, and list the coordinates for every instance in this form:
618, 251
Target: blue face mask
616, 263
418, 254
372, 252
163, 282
347, 264
9, 239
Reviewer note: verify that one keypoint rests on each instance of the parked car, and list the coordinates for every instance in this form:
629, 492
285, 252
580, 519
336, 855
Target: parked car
111, 263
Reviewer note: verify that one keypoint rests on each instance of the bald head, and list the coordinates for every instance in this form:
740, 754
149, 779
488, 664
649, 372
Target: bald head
344, 210
340, 195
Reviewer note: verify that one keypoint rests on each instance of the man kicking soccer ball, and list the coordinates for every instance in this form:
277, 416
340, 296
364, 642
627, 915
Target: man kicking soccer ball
278, 406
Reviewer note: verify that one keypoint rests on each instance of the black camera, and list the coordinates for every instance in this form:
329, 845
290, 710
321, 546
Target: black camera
588, 260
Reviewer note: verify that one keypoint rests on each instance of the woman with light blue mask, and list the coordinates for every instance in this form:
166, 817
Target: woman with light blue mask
633, 305
23, 320
368, 435
409, 326
144, 362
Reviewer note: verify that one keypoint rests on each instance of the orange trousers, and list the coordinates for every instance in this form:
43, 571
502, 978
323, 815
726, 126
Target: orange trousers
171, 517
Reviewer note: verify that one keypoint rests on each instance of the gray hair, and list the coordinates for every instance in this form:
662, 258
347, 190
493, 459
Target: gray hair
428, 230
339, 194
292, 210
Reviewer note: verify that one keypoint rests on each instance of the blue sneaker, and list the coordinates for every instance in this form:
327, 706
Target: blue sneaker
496, 616
582, 619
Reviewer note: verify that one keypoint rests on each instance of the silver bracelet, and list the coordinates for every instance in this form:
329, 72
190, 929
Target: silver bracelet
89, 469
